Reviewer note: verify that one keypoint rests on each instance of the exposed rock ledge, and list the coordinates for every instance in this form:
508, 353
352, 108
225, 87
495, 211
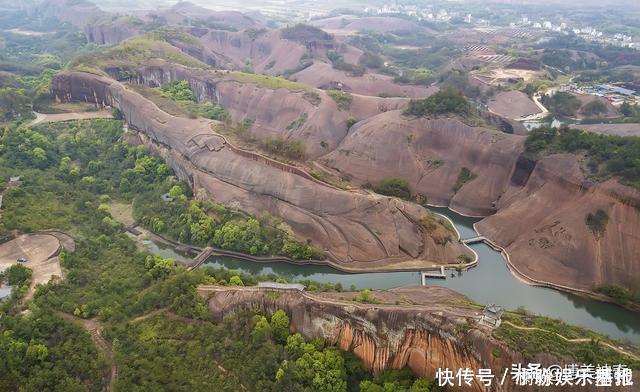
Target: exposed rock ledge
425, 336
362, 230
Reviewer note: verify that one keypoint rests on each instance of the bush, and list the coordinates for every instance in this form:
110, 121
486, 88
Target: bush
305, 33
179, 91
17, 275
619, 293
594, 108
597, 222
465, 176
393, 186
292, 149
338, 62
439, 229
448, 101
607, 155
342, 99
562, 103
117, 114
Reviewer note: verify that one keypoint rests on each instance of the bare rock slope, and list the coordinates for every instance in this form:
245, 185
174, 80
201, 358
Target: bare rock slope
430, 154
323, 75
357, 230
436, 332
306, 114
543, 225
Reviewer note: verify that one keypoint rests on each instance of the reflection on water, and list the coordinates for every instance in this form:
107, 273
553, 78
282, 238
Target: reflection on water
165, 251
5, 291
537, 124
489, 282
318, 273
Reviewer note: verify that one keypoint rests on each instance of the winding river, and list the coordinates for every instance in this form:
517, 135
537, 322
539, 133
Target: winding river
489, 282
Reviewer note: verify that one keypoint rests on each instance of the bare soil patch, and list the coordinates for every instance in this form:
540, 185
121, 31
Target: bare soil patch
40, 250
122, 213
513, 104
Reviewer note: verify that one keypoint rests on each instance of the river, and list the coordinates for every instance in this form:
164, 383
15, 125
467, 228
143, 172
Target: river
489, 282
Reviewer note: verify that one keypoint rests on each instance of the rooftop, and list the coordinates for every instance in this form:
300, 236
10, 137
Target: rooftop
493, 310
281, 286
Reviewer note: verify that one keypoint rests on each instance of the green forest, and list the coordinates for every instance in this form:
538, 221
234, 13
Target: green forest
70, 171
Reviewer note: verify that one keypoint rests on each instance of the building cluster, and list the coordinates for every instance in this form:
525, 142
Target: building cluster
443, 15
422, 13
612, 93
491, 316
585, 32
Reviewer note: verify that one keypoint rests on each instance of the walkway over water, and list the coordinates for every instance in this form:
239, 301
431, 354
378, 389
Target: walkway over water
201, 258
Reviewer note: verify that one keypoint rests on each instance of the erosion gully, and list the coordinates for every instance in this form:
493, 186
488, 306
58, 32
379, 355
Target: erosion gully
489, 282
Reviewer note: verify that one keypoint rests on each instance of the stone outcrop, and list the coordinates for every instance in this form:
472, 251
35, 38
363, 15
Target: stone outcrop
323, 75
307, 115
437, 333
98, 26
267, 52
273, 112
541, 222
355, 229
430, 154
536, 210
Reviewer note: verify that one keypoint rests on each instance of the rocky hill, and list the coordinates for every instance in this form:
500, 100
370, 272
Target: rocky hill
431, 154
542, 222
436, 331
357, 230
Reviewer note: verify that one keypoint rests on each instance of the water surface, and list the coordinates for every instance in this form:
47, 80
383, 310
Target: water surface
489, 282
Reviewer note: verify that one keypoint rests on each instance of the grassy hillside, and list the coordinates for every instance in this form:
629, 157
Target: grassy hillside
134, 52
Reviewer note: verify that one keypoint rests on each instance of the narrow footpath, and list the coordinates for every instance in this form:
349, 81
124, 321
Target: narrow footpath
578, 340
95, 330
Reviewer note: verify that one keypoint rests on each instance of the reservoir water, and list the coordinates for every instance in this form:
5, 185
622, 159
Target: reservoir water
489, 282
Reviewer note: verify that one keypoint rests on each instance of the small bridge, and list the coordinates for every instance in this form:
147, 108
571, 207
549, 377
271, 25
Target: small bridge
480, 238
201, 258
437, 274
474, 240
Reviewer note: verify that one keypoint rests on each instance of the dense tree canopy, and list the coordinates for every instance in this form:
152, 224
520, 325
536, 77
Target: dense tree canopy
110, 282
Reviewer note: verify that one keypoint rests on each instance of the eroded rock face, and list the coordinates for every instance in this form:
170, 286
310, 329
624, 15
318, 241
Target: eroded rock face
424, 337
542, 224
358, 230
323, 75
98, 26
267, 52
540, 207
315, 119
430, 154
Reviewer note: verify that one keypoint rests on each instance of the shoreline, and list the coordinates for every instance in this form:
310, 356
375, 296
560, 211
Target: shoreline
193, 249
524, 278
516, 273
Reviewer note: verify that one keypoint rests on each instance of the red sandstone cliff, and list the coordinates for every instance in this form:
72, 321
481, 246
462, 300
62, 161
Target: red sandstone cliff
358, 230
435, 332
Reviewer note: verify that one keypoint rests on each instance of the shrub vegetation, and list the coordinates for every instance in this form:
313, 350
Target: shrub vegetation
607, 155
444, 102
392, 186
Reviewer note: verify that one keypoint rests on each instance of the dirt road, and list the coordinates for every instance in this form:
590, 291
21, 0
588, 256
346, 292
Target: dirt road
95, 330
46, 118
